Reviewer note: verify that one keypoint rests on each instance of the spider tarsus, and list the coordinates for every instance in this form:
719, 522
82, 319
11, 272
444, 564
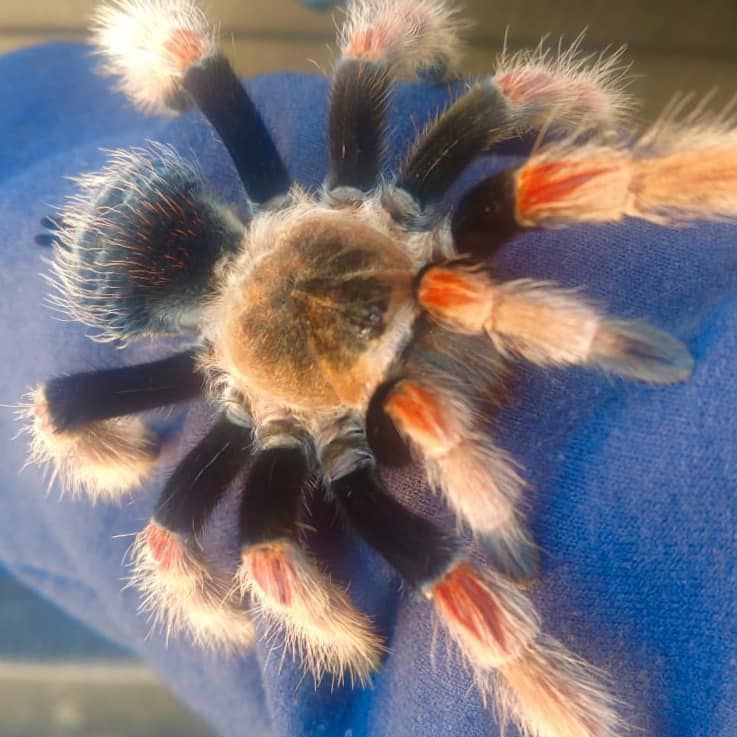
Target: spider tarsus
567, 89
639, 351
413, 37
185, 594
103, 459
321, 627
148, 46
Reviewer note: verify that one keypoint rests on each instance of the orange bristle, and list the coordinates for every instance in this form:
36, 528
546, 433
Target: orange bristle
185, 47
576, 188
319, 623
486, 617
186, 593
417, 412
457, 297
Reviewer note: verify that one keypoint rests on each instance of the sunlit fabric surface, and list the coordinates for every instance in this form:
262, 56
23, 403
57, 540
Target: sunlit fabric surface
633, 492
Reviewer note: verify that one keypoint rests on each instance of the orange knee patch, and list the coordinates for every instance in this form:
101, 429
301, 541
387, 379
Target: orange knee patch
165, 548
270, 569
491, 621
458, 297
592, 186
462, 600
420, 416
185, 47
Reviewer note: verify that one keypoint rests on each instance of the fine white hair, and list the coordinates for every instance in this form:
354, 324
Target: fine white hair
148, 45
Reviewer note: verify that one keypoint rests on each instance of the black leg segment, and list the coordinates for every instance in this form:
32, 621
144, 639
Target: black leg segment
77, 400
462, 132
357, 117
222, 99
272, 495
415, 547
203, 476
485, 216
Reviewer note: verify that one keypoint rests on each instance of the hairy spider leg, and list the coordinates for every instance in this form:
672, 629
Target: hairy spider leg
165, 56
417, 549
221, 97
548, 325
492, 110
675, 174
477, 479
534, 682
479, 118
84, 424
90, 396
319, 624
187, 587
201, 478
358, 101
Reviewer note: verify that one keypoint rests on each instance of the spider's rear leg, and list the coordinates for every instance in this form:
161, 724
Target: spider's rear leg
142, 248
84, 424
187, 585
478, 480
165, 55
549, 325
534, 682
319, 623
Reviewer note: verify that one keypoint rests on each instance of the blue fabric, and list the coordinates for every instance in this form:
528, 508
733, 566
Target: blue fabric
633, 488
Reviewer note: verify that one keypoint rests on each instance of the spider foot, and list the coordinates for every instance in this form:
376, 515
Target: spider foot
319, 623
414, 38
536, 684
102, 459
184, 594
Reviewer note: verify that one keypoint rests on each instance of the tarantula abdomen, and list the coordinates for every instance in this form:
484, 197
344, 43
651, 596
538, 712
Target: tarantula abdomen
105, 273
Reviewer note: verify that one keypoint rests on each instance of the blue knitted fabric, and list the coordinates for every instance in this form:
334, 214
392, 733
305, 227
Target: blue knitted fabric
632, 492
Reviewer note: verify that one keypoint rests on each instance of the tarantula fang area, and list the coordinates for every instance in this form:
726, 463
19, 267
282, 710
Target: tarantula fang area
334, 320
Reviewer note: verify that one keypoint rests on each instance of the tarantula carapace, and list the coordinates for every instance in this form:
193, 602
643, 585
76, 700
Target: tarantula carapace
346, 327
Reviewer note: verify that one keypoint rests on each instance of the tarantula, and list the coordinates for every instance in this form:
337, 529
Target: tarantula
351, 326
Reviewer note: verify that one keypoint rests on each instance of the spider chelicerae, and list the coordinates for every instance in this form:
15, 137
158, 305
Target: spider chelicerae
351, 326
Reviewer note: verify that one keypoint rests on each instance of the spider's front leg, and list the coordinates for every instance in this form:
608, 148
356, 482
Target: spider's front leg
84, 425
548, 325
165, 57
675, 174
408, 39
